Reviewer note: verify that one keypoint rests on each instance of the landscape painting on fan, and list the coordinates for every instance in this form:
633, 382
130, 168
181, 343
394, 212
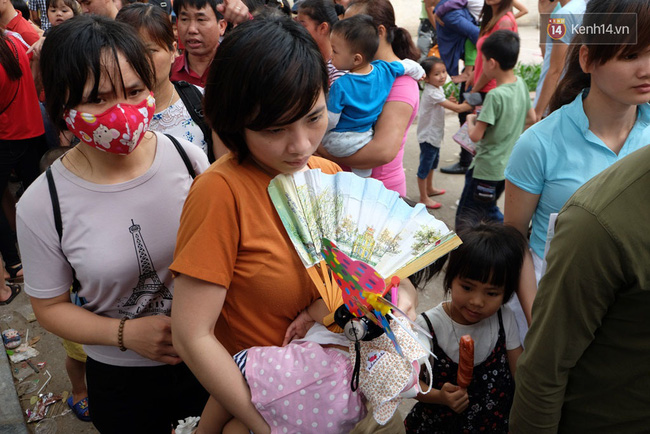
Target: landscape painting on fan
362, 217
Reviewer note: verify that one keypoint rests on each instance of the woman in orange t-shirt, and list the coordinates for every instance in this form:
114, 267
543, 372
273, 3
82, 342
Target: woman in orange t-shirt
239, 281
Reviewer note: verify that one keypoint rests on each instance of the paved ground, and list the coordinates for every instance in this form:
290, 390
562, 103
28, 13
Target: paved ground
17, 314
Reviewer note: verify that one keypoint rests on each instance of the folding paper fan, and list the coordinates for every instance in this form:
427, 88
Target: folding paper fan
364, 219
352, 277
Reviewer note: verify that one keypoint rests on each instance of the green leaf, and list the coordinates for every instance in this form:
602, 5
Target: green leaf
530, 74
451, 89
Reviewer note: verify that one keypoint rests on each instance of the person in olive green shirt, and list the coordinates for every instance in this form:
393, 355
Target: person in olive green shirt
586, 363
506, 110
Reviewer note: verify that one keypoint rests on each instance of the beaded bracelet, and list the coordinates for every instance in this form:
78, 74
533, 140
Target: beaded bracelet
120, 335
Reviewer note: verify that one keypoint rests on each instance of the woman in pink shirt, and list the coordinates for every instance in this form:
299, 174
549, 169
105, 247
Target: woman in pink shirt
385, 152
496, 15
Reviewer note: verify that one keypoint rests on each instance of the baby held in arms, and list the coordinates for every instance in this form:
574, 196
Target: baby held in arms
356, 99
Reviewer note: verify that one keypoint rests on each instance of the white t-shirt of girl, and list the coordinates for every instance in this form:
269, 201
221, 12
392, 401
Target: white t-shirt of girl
119, 238
177, 121
431, 120
485, 332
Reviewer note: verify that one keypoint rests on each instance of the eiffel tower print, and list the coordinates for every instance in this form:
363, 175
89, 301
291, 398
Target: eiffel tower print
148, 283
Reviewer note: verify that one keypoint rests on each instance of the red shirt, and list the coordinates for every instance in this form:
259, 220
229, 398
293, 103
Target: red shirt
181, 71
478, 66
21, 115
21, 26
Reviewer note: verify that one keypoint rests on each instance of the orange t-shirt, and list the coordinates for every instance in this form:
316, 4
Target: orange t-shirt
231, 235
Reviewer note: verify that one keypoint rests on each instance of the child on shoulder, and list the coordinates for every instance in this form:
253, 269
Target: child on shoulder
356, 99
431, 126
482, 274
506, 111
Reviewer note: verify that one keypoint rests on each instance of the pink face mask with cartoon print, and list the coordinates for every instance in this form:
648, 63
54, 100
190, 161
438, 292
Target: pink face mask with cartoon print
117, 130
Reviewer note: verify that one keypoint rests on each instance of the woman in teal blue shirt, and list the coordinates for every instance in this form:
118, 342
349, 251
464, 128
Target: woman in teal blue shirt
600, 114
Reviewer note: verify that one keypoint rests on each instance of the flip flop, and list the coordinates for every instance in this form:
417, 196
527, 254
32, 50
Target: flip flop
80, 409
15, 290
435, 206
443, 191
13, 273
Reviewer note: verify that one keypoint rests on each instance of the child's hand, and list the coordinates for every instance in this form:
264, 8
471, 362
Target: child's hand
36, 48
469, 83
453, 99
299, 327
454, 397
471, 119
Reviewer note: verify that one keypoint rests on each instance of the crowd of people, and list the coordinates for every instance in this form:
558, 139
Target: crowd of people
145, 135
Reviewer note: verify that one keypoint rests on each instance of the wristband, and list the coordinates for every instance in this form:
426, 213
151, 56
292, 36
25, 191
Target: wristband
120, 334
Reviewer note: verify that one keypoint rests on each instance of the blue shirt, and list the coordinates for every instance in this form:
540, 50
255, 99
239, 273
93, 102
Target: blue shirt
556, 156
459, 26
360, 97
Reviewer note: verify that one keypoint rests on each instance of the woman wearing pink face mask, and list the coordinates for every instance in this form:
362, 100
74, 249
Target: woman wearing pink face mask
119, 194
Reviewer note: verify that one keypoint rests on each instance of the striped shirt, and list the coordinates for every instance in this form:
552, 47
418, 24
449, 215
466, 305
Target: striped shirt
333, 73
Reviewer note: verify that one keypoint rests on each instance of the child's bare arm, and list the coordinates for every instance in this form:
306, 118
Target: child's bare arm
318, 310
299, 327
475, 128
450, 395
513, 356
521, 9
235, 426
213, 418
455, 107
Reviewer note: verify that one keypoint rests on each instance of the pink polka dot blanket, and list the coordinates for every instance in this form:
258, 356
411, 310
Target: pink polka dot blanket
303, 388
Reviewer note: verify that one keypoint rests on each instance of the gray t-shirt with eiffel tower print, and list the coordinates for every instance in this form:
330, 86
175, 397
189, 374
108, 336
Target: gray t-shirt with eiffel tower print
119, 238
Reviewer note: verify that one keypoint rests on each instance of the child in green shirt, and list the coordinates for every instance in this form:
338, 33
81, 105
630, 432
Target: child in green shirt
506, 110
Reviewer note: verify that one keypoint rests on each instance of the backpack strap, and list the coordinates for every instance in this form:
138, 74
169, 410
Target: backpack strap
183, 155
55, 202
193, 100
58, 222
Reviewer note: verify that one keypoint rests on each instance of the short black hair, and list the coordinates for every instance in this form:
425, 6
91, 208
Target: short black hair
491, 253
151, 19
198, 4
74, 53
321, 11
22, 7
429, 62
360, 32
72, 4
502, 46
280, 81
